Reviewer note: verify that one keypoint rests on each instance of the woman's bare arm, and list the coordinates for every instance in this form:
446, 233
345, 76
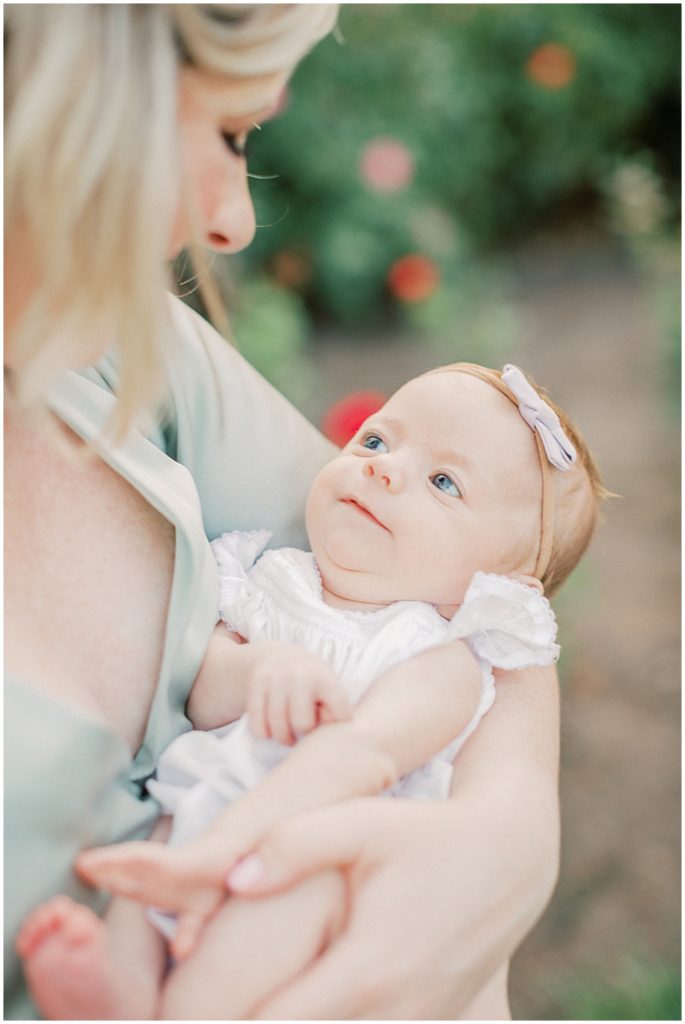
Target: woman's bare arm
520, 733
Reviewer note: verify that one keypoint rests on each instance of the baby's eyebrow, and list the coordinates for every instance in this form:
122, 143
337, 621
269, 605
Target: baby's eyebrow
450, 456
391, 421
438, 455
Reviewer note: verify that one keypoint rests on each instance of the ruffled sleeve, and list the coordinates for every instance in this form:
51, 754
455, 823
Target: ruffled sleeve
235, 554
507, 624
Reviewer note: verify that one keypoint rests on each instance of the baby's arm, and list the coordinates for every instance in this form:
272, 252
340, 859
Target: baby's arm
219, 693
283, 688
407, 715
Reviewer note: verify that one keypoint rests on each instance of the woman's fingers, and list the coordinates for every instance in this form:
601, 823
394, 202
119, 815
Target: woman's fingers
188, 930
330, 837
326, 991
138, 870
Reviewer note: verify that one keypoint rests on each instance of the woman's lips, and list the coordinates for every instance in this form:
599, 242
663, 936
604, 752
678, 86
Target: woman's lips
360, 507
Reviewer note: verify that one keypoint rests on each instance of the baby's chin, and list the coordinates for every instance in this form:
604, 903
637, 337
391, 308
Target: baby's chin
356, 589
352, 588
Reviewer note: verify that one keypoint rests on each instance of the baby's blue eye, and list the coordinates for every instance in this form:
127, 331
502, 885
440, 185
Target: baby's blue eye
446, 485
375, 443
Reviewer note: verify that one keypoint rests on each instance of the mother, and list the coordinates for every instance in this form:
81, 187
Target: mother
125, 140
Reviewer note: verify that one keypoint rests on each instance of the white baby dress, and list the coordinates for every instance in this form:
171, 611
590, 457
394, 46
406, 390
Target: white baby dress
278, 596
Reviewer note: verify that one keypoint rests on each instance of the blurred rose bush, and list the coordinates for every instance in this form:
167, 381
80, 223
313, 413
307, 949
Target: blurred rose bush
434, 133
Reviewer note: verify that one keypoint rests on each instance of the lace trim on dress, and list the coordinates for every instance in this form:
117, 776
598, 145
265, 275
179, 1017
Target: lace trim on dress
506, 623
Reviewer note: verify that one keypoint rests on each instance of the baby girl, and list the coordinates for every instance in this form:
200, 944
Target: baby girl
359, 668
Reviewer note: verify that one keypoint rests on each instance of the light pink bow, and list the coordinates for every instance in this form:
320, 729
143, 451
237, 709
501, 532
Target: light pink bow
541, 417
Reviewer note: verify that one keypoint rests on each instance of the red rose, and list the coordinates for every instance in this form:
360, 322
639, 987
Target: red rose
552, 66
345, 417
413, 278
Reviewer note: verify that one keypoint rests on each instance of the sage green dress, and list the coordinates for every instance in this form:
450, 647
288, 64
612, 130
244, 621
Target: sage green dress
231, 454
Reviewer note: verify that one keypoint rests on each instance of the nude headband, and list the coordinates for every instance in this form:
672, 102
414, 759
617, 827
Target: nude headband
553, 446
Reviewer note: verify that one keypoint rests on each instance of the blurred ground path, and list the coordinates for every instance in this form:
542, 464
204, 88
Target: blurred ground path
593, 337
589, 331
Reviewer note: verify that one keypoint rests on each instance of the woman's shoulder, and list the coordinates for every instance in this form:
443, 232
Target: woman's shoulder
189, 337
251, 453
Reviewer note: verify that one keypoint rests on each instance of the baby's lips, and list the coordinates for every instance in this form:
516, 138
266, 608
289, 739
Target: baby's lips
364, 509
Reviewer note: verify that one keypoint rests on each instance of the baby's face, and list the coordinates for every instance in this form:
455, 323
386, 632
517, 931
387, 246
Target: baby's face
443, 481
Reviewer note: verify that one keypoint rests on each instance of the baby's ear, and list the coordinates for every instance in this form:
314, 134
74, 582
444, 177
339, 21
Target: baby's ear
528, 581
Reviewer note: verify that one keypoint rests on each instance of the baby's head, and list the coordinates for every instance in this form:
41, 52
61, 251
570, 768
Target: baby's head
448, 478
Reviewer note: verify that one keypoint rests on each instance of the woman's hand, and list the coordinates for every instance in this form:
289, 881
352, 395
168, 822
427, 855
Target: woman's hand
434, 910
440, 893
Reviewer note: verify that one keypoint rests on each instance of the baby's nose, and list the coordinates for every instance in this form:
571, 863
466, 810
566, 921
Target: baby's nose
387, 475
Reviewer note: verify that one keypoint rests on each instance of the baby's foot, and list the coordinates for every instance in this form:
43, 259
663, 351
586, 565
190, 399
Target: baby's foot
69, 967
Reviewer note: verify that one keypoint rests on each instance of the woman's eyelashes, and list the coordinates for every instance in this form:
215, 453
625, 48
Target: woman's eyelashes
236, 142
446, 484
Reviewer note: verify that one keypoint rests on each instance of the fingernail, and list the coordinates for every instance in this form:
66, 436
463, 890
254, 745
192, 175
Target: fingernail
246, 872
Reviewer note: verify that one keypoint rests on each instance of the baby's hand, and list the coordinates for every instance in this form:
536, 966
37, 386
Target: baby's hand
292, 691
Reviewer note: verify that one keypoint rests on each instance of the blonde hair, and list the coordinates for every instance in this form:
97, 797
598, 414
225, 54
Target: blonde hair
578, 493
91, 158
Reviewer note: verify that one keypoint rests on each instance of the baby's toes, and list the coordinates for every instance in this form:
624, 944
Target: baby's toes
81, 926
39, 923
59, 915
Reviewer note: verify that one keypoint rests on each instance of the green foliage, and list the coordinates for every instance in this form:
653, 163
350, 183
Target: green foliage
495, 151
273, 329
644, 992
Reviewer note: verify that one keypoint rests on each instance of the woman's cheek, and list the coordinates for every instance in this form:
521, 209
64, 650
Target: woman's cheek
180, 234
193, 159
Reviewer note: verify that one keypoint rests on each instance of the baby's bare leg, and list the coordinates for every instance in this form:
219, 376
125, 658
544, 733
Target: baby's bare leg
252, 947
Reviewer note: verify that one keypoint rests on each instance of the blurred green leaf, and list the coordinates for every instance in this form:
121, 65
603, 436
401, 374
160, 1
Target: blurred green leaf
495, 151
643, 992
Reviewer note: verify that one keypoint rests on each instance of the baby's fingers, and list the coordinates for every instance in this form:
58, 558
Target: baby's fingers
278, 718
303, 710
255, 707
333, 704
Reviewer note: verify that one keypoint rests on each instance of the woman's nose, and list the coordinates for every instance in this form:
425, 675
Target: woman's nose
229, 217
387, 474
